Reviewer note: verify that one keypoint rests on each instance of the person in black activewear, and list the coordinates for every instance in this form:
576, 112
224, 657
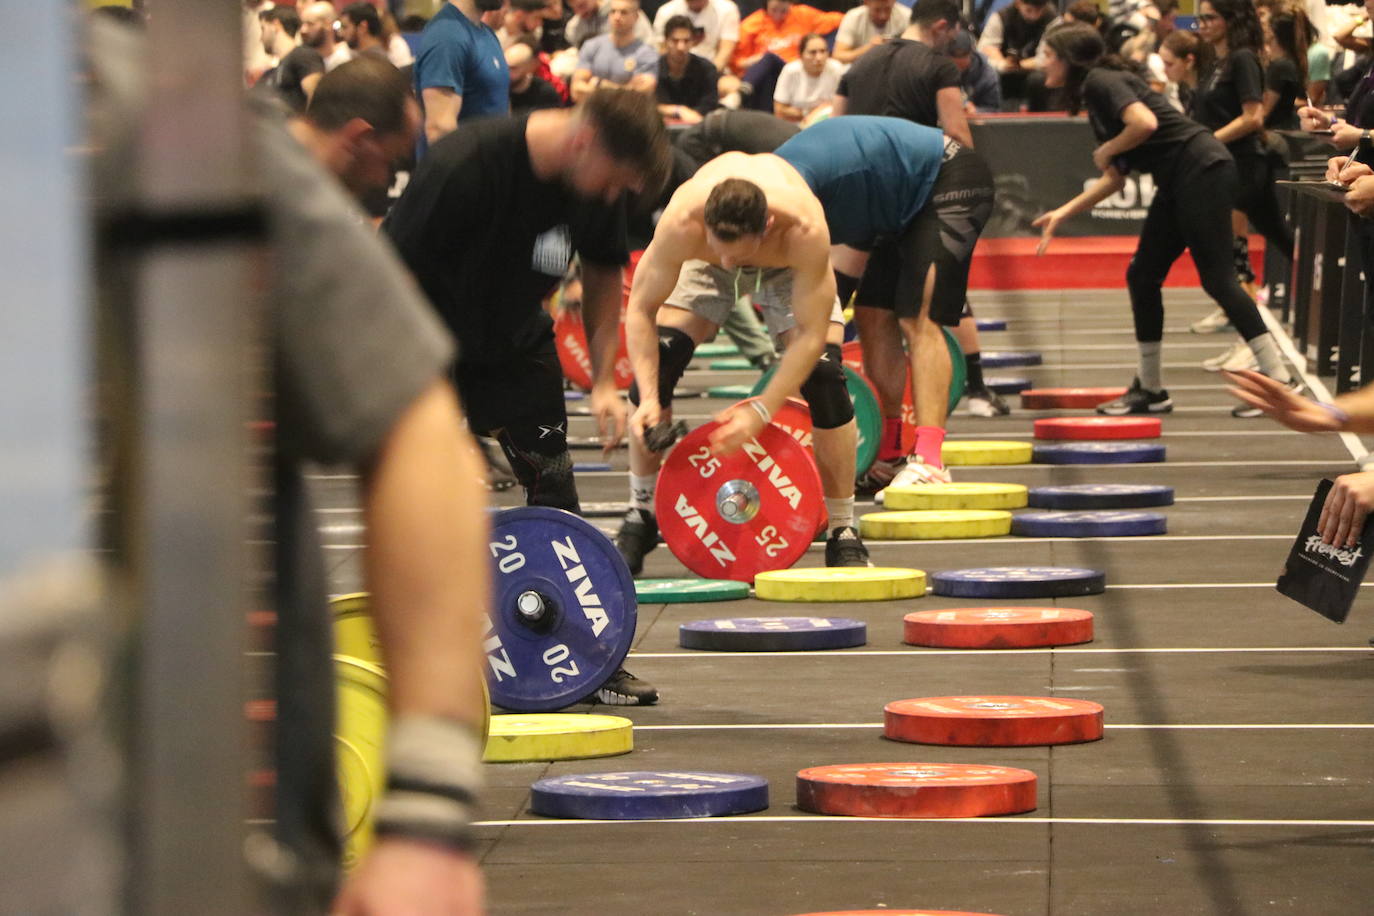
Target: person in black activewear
488, 225
1196, 185
1286, 37
1230, 102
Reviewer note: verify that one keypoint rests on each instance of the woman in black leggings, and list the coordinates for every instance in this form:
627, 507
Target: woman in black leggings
1196, 187
1230, 102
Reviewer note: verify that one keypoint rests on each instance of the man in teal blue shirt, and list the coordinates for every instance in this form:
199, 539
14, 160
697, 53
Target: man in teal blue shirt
460, 69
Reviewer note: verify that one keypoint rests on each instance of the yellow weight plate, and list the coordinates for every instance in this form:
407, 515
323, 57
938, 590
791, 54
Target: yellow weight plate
840, 584
353, 633
359, 733
976, 451
937, 496
935, 525
557, 736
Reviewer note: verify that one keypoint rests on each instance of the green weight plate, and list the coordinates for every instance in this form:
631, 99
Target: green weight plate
958, 378
679, 591
732, 363
730, 392
717, 349
868, 415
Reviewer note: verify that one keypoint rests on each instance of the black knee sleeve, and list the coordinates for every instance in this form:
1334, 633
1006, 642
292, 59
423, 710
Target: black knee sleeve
545, 472
845, 287
675, 349
825, 390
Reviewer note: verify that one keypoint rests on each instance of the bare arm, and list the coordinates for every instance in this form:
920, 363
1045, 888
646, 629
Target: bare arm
847, 54
724, 51
655, 276
424, 501
601, 292
788, 112
838, 106
308, 84
949, 102
1346, 37
441, 112
583, 84
643, 82
813, 301
1251, 120
1105, 186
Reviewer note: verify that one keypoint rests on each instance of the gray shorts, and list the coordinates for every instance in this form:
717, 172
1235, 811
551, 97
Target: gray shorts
711, 292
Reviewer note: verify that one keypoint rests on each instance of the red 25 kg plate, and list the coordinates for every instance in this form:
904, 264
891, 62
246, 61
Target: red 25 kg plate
575, 356
733, 516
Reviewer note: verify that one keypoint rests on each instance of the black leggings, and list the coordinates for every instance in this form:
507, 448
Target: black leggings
1258, 199
1192, 211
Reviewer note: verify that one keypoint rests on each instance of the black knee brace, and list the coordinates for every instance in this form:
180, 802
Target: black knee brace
547, 477
675, 349
825, 390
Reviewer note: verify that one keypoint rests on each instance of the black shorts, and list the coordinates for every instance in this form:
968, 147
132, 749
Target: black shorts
523, 393
942, 235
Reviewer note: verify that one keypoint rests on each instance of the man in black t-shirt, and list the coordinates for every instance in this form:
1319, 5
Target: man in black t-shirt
489, 224
299, 68
686, 89
527, 91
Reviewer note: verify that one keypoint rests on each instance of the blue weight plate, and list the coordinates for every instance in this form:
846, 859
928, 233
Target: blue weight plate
991, 324
1004, 359
648, 795
772, 634
1101, 496
1019, 582
591, 466
582, 607
573, 395
1007, 384
1088, 524
1128, 452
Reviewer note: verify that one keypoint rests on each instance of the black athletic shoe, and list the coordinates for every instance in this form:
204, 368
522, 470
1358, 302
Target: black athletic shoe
844, 548
1246, 412
1137, 400
624, 689
637, 536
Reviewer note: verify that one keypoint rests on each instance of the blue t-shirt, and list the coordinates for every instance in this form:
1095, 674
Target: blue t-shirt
458, 54
872, 175
617, 65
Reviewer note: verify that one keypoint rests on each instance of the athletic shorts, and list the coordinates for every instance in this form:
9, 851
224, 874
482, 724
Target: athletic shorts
711, 292
522, 392
942, 235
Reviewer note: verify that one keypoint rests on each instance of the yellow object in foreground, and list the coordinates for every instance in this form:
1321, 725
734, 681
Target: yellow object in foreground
935, 525
981, 451
557, 736
840, 584
939, 496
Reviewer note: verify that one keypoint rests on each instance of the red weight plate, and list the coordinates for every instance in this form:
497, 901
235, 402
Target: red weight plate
795, 419
733, 516
852, 354
576, 358
915, 790
854, 359
993, 721
1050, 398
897, 913
1097, 428
997, 627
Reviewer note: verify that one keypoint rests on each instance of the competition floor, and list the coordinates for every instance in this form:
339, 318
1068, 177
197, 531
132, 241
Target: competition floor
1237, 770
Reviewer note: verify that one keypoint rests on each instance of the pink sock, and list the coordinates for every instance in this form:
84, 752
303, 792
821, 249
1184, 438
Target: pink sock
890, 446
929, 440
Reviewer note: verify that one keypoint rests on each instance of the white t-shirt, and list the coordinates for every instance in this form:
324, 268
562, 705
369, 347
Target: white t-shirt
340, 55
801, 90
719, 19
398, 51
857, 30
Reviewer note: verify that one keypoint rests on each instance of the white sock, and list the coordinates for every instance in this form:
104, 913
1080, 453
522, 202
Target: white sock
841, 512
642, 492
1150, 369
1267, 355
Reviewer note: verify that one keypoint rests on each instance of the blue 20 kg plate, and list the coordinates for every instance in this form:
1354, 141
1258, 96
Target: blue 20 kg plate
1019, 582
564, 612
1088, 524
648, 795
1098, 453
1005, 359
772, 634
1101, 496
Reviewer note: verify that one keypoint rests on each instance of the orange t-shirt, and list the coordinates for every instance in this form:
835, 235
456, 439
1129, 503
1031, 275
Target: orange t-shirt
758, 32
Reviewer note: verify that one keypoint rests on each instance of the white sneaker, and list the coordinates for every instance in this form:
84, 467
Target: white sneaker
917, 473
1217, 321
1239, 356
986, 403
